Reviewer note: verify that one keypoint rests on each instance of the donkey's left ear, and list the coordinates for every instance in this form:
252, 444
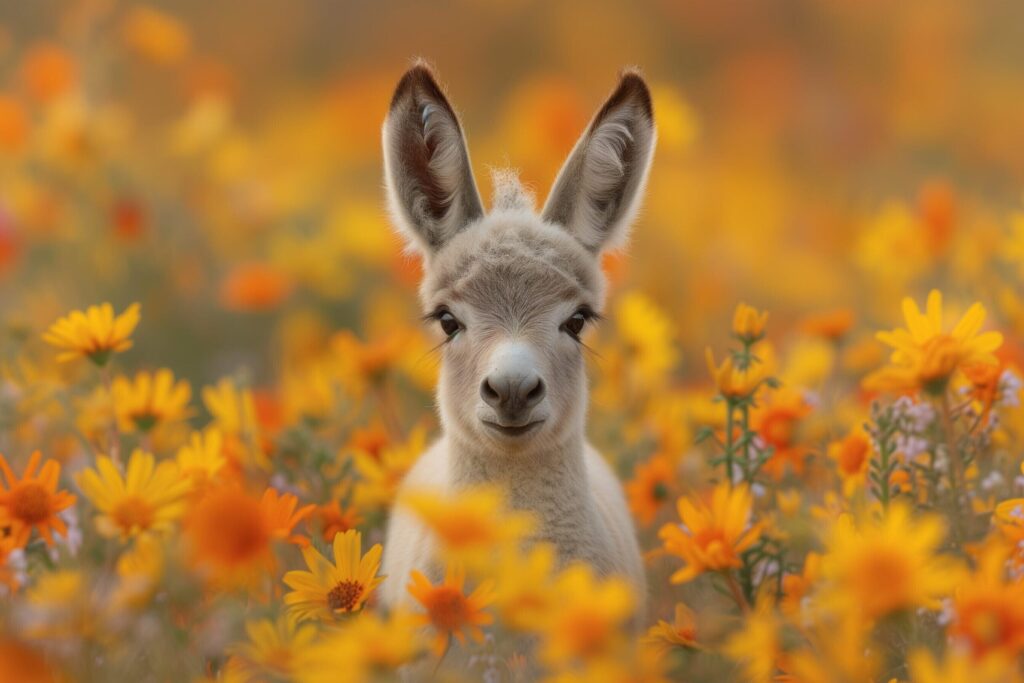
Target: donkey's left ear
597, 193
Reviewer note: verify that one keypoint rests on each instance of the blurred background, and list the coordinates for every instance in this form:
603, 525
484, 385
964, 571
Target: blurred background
220, 163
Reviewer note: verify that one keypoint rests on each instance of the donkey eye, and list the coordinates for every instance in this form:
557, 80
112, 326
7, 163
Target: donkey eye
449, 323
574, 325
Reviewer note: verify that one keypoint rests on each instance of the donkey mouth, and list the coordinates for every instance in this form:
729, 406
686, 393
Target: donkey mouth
513, 430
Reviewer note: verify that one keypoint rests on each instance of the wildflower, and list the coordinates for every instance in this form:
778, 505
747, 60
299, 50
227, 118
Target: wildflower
155, 35
139, 571
149, 497
647, 334
989, 610
202, 459
711, 537
652, 486
757, 645
48, 72
471, 524
255, 287
21, 663
282, 515
60, 605
332, 519
776, 421
448, 610
958, 667
588, 622
95, 333
748, 323
924, 356
233, 409
33, 502
681, 632
732, 382
832, 325
381, 476
329, 589
524, 590
150, 400
275, 647
797, 587
851, 455
362, 648
888, 565
229, 536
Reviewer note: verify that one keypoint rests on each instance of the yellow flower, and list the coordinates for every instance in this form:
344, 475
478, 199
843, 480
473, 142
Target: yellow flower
711, 537
925, 356
748, 323
94, 333
363, 648
150, 400
959, 667
471, 525
139, 571
889, 564
989, 609
233, 409
524, 589
647, 334
757, 644
275, 648
682, 632
448, 610
381, 475
732, 382
33, 502
149, 497
202, 458
327, 590
589, 619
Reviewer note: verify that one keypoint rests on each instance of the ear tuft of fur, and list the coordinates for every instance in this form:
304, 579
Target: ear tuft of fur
597, 193
509, 192
431, 191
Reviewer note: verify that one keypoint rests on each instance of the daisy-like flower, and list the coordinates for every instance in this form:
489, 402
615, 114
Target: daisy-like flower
33, 501
588, 622
202, 459
448, 610
748, 323
149, 400
327, 589
712, 536
681, 632
651, 487
524, 590
274, 648
888, 565
925, 355
363, 648
470, 525
148, 497
94, 333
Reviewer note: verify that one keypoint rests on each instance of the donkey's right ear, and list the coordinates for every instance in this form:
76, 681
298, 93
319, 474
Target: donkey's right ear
431, 191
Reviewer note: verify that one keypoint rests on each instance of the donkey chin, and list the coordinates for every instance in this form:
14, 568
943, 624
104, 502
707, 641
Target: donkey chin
512, 291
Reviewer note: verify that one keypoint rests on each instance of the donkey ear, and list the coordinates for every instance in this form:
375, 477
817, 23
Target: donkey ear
430, 186
597, 193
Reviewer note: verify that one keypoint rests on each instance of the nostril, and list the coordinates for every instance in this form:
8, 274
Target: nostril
488, 393
536, 393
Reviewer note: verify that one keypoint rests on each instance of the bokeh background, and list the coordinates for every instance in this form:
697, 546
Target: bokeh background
220, 164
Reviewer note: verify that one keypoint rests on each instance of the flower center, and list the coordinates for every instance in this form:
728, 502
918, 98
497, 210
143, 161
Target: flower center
345, 596
30, 503
132, 512
447, 608
145, 421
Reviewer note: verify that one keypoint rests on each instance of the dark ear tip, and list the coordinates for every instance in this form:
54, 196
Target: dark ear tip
419, 78
632, 86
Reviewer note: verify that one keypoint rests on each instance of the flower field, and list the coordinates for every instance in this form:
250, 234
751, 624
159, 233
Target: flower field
214, 372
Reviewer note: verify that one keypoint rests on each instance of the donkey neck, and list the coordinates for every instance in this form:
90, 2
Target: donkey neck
551, 483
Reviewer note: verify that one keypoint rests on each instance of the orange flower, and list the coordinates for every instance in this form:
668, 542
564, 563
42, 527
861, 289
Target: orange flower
20, 663
14, 124
984, 379
48, 72
851, 455
776, 422
711, 537
282, 515
732, 382
332, 519
254, 287
155, 35
989, 610
448, 610
34, 501
230, 534
651, 487
832, 325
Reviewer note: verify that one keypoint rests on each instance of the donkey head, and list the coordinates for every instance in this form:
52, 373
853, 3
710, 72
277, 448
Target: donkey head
512, 290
